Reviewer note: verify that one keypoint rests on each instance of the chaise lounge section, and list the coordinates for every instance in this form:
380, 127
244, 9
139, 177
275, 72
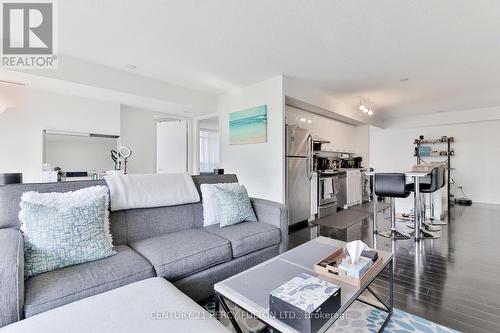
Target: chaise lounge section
168, 242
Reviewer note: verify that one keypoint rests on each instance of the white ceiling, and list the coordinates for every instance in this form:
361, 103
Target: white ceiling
449, 49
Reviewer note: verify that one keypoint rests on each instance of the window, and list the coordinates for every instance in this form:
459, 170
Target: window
209, 150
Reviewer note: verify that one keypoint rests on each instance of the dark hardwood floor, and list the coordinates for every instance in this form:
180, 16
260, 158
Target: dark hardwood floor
454, 280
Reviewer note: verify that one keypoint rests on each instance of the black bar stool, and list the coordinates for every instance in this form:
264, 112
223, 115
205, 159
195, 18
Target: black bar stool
11, 178
391, 185
428, 231
433, 221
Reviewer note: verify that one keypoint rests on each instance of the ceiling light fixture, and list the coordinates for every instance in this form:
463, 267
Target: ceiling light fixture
130, 66
365, 105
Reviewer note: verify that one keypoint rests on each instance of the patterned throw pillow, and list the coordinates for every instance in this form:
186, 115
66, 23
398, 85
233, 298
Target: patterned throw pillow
210, 209
234, 205
64, 229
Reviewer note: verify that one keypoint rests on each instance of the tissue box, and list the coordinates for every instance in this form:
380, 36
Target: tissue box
305, 303
334, 272
358, 269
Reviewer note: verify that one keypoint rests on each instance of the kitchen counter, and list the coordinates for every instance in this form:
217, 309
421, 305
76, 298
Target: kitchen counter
359, 169
330, 172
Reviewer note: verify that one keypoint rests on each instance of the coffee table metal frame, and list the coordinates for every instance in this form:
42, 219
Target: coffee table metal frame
386, 307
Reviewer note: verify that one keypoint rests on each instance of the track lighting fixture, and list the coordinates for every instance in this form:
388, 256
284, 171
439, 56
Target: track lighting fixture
365, 105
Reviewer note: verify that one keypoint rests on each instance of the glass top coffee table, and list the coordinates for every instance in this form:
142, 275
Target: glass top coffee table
250, 289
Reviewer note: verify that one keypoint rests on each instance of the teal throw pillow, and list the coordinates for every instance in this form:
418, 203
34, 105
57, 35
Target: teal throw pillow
64, 229
234, 205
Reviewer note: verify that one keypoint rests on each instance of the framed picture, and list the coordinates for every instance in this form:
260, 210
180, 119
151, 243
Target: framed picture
248, 126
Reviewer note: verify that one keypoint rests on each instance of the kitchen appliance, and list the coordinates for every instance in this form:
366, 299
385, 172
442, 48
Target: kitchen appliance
365, 187
347, 163
322, 163
328, 189
299, 172
342, 192
358, 162
351, 162
318, 143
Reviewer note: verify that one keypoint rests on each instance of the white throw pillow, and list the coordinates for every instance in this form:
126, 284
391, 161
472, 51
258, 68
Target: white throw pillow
210, 210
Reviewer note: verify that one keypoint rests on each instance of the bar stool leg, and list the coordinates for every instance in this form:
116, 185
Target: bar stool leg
432, 218
427, 223
375, 212
393, 233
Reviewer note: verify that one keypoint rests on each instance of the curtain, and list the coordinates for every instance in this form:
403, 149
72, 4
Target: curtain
209, 150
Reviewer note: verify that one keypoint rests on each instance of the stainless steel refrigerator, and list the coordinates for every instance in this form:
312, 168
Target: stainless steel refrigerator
299, 172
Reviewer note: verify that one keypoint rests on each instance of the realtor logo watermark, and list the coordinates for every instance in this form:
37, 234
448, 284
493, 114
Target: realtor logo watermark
29, 34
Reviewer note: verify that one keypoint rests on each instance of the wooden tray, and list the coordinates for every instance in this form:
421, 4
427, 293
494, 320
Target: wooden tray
334, 272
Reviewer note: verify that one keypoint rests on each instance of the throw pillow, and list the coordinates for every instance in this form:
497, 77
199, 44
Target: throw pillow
234, 205
210, 209
64, 229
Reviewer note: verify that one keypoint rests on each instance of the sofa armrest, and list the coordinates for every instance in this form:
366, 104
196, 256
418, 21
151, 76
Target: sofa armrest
11, 276
275, 214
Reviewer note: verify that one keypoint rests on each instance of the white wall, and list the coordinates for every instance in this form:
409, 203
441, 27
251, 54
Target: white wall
476, 160
342, 136
31, 111
138, 131
260, 167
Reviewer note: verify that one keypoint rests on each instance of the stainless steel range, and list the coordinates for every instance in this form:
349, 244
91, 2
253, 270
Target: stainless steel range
328, 184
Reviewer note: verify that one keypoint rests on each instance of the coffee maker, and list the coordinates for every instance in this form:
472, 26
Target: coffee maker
352, 162
322, 163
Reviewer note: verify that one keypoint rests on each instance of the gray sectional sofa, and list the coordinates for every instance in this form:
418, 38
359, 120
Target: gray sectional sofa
168, 242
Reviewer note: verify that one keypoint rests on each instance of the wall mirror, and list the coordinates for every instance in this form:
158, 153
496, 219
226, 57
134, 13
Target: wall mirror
77, 155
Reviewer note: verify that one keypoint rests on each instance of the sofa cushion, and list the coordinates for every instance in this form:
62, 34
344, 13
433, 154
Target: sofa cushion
247, 237
152, 305
182, 253
132, 225
66, 285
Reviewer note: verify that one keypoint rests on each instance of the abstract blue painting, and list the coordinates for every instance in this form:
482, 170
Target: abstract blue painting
248, 126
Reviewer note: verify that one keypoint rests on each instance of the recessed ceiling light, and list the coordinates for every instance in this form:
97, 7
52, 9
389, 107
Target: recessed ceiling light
130, 66
404, 79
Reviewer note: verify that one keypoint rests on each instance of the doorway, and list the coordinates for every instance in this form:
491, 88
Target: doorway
172, 146
208, 143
